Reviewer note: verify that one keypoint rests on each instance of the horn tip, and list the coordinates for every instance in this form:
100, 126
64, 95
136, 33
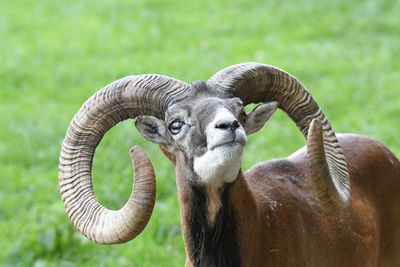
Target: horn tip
135, 149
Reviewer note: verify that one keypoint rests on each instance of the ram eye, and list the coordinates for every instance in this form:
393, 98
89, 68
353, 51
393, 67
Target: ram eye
175, 126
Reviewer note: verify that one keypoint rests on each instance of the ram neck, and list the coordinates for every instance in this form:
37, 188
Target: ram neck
213, 243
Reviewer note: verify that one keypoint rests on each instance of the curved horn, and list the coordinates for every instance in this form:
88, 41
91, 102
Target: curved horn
319, 169
255, 82
120, 100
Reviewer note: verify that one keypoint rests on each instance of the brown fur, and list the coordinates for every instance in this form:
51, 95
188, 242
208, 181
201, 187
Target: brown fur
282, 223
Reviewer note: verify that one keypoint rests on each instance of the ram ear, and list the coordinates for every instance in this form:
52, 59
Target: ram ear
154, 131
257, 118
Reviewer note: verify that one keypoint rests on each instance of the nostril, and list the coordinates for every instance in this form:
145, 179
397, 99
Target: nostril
223, 125
227, 125
235, 124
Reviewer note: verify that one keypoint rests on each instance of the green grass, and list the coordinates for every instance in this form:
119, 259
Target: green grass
56, 54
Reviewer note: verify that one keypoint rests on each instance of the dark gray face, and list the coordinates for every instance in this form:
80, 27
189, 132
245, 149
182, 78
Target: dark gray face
189, 124
209, 130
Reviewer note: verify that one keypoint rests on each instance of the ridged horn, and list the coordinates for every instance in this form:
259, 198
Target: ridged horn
255, 83
319, 166
126, 98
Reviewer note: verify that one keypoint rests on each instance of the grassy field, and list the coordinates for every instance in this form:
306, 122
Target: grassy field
56, 54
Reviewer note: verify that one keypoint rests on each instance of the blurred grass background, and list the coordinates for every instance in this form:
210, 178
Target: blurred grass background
56, 54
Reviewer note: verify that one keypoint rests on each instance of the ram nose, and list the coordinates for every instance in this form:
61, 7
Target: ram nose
227, 125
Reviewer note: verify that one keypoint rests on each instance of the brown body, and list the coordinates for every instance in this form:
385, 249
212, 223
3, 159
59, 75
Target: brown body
334, 203
282, 223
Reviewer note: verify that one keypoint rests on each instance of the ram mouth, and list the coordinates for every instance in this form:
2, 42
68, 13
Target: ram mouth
229, 144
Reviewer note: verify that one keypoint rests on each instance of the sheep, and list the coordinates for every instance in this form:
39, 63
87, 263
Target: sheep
331, 203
